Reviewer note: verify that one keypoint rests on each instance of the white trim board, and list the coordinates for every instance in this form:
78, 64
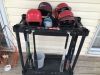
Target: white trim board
94, 52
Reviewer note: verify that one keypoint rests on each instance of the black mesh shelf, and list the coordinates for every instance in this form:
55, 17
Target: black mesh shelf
32, 72
51, 67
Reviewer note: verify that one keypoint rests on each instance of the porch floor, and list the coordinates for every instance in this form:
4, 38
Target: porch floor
85, 66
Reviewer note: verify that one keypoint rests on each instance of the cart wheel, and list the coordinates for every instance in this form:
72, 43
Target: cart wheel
70, 70
24, 71
71, 73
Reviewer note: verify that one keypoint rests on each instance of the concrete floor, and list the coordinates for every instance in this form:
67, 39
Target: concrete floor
85, 66
14, 71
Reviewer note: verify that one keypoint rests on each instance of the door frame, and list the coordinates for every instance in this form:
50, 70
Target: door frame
4, 21
94, 51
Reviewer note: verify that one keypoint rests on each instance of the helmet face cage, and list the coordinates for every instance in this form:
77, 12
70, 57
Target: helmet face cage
67, 23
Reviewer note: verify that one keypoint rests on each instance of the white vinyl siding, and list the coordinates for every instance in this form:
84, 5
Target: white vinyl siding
88, 10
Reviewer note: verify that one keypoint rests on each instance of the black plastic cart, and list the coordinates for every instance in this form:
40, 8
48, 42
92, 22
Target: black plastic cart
52, 61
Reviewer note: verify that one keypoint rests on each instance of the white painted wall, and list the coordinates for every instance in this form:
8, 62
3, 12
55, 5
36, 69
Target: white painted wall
88, 10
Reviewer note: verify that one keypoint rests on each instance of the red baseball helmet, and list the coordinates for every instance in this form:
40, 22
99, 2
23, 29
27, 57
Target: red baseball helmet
34, 15
45, 8
60, 8
66, 18
61, 5
66, 15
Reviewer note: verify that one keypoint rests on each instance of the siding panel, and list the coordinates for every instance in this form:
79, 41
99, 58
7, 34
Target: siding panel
74, 6
71, 1
88, 10
87, 15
